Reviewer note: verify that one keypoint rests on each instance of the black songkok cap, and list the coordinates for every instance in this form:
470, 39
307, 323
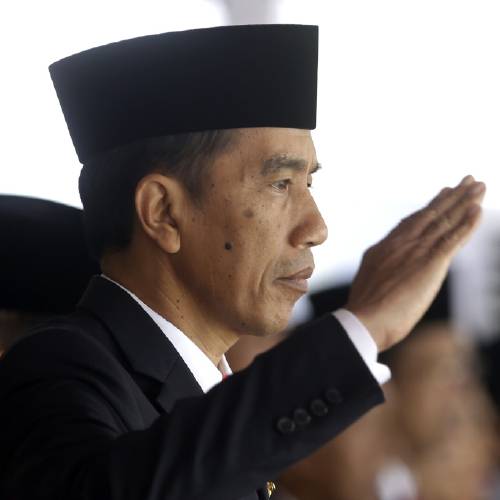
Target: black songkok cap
44, 264
189, 81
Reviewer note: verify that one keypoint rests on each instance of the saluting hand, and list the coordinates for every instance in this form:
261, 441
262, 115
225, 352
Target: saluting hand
400, 276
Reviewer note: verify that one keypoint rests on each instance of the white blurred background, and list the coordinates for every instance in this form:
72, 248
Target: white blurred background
409, 99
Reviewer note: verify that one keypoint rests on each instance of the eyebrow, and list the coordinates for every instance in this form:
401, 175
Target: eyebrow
286, 162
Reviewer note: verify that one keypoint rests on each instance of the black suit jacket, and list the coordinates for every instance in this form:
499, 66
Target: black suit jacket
100, 406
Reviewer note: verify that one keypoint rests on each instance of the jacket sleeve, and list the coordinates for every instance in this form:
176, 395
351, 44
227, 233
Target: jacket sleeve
65, 428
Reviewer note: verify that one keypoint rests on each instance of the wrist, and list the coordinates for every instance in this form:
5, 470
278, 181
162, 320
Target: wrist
368, 321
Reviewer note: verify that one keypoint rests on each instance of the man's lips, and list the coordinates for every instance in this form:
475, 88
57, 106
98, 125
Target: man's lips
298, 281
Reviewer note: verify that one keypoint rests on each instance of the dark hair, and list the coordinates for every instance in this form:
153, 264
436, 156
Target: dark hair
107, 183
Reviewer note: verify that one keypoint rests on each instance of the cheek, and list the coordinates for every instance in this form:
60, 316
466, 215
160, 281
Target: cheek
245, 258
255, 243
241, 239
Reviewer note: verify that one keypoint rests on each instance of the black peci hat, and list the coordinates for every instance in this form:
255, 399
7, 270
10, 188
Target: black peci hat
189, 81
44, 264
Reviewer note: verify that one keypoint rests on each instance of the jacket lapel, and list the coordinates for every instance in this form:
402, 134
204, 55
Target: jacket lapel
179, 384
142, 343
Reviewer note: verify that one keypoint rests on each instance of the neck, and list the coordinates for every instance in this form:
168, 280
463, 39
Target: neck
164, 293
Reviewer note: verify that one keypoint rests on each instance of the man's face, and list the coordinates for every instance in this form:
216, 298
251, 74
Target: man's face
246, 253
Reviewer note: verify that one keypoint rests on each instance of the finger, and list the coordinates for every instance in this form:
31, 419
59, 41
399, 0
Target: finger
449, 197
468, 179
443, 223
447, 194
414, 225
454, 239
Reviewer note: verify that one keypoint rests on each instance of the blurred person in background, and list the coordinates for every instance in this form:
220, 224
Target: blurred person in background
44, 263
445, 422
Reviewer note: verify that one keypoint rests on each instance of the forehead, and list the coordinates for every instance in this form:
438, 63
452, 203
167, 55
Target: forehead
252, 149
264, 143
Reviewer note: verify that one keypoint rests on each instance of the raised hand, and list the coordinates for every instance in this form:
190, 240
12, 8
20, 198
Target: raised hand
400, 276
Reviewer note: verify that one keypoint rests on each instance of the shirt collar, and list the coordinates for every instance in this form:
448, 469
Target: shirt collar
204, 371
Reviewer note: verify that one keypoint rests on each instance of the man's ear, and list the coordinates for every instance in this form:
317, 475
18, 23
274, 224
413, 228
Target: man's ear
158, 203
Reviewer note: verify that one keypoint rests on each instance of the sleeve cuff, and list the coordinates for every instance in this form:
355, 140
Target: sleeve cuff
364, 343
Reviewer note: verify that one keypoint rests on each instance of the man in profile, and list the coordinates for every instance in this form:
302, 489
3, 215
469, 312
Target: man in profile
198, 161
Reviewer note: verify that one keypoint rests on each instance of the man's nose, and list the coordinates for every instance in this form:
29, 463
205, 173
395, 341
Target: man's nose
311, 229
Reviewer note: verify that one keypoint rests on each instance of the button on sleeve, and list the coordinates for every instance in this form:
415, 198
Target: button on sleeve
285, 425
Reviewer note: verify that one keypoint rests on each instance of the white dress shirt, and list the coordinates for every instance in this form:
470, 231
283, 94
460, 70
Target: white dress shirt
364, 343
208, 375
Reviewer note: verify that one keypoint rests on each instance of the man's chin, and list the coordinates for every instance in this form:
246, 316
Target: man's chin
272, 323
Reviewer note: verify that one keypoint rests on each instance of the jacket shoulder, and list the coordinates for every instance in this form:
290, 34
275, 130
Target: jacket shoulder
51, 348
62, 350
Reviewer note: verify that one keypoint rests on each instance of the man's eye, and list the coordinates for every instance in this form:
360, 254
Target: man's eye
281, 185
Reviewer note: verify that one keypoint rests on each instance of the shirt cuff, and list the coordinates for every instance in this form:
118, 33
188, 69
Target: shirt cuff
364, 343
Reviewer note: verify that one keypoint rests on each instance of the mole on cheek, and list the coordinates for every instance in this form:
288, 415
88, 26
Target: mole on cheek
228, 246
248, 213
